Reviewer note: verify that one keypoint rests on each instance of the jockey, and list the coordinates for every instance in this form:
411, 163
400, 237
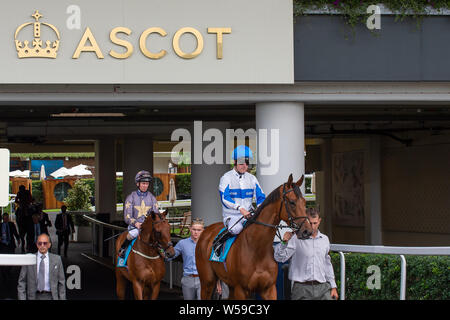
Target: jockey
237, 189
137, 204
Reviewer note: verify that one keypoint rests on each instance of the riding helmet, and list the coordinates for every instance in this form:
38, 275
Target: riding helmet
143, 176
242, 151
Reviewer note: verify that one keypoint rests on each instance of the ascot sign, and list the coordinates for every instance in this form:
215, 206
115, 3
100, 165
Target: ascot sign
148, 42
50, 51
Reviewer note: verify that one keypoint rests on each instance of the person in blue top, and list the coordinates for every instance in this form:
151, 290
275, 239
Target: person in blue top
237, 190
190, 283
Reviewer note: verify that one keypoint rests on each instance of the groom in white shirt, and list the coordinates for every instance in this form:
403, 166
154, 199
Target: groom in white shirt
310, 268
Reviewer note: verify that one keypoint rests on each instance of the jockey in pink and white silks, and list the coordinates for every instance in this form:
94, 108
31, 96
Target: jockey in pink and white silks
237, 190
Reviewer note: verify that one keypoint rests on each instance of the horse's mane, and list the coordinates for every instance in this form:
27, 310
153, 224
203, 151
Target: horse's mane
271, 198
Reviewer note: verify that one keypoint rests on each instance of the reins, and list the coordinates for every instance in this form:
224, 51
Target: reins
292, 224
156, 245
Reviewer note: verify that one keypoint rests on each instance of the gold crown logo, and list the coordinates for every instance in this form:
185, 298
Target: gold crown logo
37, 51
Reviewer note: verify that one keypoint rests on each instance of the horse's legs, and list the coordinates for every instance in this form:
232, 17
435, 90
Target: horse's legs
207, 290
238, 293
155, 291
121, 285
147, 292
270, 293
208, 280
138, 290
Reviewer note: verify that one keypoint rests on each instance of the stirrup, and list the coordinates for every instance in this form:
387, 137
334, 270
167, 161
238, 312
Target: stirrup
123, 248
218, 244
122, 253
218, 249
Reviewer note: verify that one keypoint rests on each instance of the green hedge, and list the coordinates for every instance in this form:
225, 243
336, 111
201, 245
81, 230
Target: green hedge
37, 190
427, 277
119, 188
183, 183
91, 184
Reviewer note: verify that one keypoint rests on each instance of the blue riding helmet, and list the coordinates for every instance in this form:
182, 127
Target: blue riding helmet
143, 176
242, 152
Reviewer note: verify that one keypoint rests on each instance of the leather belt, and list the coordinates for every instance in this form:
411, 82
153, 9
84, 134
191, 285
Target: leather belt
310, 283
193, 275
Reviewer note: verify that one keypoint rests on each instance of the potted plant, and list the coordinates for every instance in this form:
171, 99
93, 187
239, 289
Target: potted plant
78, 203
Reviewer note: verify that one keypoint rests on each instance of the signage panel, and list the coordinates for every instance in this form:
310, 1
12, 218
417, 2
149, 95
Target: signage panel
4, 177
147, 42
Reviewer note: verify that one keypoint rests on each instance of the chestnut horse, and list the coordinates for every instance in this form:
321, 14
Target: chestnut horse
250, 266
146, 266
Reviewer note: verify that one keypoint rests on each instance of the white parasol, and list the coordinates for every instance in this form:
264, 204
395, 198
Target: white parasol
42, 175
172, 192
61, 172
20, 174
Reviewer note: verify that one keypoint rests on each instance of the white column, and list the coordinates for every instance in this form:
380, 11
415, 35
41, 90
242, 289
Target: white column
205, 178
373, 230
284, 122
137, 156
105, 175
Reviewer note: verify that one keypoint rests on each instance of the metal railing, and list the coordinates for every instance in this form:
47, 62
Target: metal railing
401, 251
98, 228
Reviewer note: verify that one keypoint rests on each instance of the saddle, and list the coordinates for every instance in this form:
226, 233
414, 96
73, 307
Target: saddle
225, 247
227, 241
122, 262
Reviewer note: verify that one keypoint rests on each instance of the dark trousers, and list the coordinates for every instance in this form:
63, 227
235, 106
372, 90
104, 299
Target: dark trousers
44, 296
63, 238
8, 276
31, 245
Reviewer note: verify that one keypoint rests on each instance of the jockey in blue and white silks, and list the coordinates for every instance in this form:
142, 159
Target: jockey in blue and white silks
237, 190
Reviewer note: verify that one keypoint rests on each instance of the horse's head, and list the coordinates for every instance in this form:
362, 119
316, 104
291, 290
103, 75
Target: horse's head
293, 210
157, 229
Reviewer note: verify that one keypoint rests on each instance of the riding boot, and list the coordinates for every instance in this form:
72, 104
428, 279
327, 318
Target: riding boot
218, 244
123, 248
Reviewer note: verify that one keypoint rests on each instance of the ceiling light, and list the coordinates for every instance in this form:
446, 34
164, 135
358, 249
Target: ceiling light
86, 115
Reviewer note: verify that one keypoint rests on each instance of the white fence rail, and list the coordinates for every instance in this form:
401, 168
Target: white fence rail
401, 251
17, 259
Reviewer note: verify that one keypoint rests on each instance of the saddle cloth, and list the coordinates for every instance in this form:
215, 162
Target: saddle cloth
225, 248
122, 262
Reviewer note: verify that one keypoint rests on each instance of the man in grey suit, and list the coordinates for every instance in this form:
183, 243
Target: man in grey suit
45, 280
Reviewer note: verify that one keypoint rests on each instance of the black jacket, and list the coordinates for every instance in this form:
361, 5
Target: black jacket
13, 234
59, 224
45, 223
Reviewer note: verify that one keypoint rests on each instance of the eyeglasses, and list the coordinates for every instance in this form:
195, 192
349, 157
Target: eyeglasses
42, 243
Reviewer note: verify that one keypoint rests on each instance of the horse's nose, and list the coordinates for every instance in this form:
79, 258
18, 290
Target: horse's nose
170, 253
306, 234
